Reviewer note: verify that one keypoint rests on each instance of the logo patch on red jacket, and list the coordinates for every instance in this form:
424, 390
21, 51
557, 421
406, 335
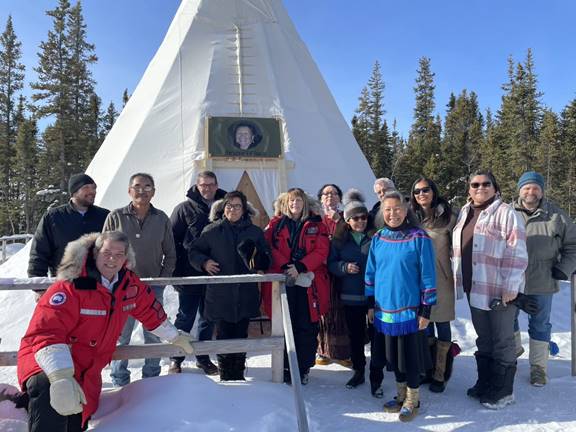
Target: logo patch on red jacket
312, 230
58, 299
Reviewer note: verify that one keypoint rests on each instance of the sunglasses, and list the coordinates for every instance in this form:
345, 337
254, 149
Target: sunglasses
476, 185
422, 190
359, 218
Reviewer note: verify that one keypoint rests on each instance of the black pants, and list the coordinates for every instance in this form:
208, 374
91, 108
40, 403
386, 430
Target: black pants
378, 360
356, 323
495, 330
42, 417
228, 330
305, 331
407, 353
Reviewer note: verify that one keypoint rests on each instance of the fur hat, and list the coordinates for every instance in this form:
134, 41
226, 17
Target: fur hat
354, 205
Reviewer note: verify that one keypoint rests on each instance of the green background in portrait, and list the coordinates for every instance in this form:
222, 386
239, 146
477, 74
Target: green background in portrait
221, 137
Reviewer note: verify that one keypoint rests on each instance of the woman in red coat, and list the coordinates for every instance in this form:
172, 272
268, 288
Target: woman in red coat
299, 244
74, 329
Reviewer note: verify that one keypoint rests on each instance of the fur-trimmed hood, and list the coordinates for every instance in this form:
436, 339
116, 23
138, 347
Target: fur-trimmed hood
75, 257
217, 210
313, 204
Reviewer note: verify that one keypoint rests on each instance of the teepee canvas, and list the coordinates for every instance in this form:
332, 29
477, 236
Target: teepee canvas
230, 72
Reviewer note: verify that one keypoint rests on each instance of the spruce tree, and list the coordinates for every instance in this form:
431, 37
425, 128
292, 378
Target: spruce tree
26, 173
11, 82
125, 98
568, 155
108, 120
423, 147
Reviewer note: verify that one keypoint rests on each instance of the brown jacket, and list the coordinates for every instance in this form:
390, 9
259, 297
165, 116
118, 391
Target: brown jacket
442, 240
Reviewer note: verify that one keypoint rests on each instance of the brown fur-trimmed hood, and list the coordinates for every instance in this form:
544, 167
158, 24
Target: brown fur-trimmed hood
217, 210
76, 253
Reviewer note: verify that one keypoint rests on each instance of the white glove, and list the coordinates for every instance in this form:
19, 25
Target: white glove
183, 340
66, 395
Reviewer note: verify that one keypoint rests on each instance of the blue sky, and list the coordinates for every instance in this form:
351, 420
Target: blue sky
468, 42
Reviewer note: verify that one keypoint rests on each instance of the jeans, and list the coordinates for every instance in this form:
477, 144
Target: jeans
120, 374
188, 306
539, 327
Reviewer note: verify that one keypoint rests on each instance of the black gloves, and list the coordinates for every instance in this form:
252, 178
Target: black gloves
523, 302
559, 274
527, 304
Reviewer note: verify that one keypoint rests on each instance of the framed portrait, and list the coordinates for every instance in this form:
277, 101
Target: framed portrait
244, 137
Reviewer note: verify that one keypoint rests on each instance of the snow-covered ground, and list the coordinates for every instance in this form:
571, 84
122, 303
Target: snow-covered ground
195, 402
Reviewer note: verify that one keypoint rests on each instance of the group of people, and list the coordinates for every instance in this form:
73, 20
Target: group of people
389, 275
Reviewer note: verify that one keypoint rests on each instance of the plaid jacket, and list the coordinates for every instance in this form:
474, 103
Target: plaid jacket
499, 256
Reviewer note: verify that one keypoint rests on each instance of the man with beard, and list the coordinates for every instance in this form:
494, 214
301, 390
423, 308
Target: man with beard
61, 225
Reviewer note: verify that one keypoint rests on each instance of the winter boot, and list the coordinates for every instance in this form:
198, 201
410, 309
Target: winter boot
438, 383
395, 405
225, 367
356, 380
538, 361
410, 406
175, 367
483, 365
238, 365
204, 363
501, 391
432, 346
518, 344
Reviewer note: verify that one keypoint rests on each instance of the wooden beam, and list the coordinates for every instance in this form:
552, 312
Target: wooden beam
40, 283
127, 352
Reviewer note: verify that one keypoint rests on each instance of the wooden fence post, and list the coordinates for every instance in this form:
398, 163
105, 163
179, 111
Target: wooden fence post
293, 361
277, 330
573, 319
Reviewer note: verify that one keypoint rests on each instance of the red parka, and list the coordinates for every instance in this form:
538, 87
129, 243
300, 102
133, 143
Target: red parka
314, 241
85, 315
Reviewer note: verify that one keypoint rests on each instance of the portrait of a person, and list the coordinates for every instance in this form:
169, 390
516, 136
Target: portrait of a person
245, 135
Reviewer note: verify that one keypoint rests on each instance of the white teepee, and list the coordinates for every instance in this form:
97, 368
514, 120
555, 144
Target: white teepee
228, 58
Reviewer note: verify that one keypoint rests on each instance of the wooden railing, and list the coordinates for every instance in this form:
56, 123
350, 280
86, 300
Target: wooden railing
281, 335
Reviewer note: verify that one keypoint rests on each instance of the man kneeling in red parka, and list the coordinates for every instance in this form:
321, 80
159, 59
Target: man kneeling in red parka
75, 326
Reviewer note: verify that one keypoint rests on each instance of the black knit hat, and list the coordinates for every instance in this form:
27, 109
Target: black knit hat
77, 181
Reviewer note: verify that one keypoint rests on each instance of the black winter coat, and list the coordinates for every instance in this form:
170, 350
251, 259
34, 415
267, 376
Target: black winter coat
345, 250
188, 220
226, 244
58, 227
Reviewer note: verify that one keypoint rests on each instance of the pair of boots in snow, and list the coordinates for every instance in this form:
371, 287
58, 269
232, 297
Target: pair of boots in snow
538, 358
443, 353
231, 366
495, 385
406, 402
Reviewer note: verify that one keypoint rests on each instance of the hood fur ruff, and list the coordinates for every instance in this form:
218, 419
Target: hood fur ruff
217, 210
314, 205
75, 255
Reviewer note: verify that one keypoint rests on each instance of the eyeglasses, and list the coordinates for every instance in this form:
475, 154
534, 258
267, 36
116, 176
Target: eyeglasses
206, 185
421, 190
476, 185
233, 206
142, 189
359, 218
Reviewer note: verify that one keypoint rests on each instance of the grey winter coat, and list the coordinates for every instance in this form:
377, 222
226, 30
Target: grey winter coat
551, 243
444, 309
151, 240
344, 250
238, 248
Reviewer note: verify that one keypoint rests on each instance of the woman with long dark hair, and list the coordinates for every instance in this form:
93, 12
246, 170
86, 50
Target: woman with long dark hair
435, 216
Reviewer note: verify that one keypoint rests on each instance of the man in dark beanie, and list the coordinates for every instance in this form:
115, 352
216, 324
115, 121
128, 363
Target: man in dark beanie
551, 243
63, 224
